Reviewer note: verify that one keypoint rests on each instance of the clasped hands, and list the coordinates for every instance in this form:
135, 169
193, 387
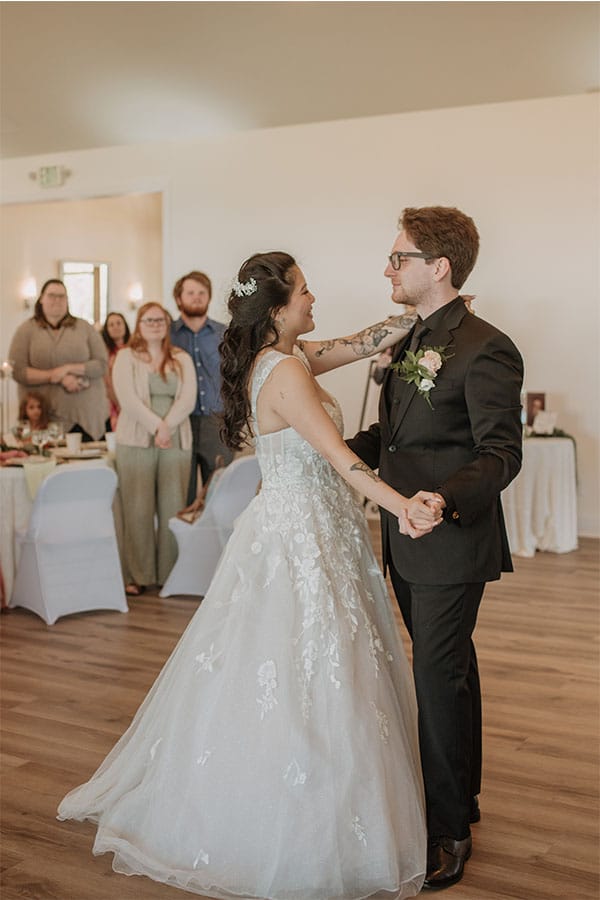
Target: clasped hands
422, 514
72, 382
162, 436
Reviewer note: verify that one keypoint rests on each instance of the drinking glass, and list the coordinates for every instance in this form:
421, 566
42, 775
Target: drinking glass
39, 438
55, 432
22, 431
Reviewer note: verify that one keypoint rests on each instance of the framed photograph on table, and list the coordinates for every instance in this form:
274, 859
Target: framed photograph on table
535, 403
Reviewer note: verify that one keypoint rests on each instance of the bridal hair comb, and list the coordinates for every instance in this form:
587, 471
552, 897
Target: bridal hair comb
244, 288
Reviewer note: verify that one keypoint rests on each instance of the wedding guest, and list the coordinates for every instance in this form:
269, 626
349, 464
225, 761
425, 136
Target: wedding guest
116, 334
200, 336
64, 359
155, 386
34, 410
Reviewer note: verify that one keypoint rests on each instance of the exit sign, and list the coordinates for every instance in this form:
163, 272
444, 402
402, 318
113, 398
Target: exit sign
51, 176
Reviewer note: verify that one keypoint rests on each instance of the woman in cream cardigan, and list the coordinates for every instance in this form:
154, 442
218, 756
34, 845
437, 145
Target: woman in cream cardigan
155, 384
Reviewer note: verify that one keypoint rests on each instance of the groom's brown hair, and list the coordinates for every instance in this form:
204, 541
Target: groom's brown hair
444, 231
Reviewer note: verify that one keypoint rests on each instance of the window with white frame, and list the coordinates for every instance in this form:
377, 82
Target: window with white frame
87, 287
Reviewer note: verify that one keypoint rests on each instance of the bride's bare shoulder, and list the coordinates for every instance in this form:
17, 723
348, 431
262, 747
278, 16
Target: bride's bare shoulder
284, 368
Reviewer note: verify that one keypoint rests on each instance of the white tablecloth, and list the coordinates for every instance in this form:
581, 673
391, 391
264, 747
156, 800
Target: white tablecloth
15, 509
540, 506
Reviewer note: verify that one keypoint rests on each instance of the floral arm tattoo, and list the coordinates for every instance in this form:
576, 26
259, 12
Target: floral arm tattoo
366, 342
363, 467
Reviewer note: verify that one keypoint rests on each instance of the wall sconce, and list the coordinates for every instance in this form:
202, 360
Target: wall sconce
136, 296
29, 293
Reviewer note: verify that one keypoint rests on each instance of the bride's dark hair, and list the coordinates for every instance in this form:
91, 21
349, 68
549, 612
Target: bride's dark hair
252, 328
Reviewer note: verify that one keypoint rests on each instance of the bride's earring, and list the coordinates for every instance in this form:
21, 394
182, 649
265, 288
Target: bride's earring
281, 326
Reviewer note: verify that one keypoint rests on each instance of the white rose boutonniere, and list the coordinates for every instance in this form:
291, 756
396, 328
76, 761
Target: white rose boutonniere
421, 368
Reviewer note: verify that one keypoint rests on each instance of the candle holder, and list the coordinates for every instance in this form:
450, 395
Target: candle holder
6, 370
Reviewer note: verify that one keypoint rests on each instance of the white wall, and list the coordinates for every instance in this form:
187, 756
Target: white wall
331, 193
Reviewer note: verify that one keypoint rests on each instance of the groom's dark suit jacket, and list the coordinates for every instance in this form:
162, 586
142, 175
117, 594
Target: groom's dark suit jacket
468, 448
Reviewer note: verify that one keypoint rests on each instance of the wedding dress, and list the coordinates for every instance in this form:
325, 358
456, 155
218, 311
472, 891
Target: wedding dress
276, 755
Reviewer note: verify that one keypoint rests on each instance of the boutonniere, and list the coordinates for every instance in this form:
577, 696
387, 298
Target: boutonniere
421, 368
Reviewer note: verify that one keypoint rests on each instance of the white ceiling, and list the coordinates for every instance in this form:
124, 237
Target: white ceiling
80, 75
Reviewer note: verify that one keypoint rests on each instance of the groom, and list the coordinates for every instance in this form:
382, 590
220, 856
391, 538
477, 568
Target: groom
466, 446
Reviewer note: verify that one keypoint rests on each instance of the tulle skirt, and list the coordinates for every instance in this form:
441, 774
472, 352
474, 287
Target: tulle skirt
276, 755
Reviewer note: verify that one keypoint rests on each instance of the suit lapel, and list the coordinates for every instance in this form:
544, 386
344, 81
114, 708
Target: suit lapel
439, 337
406, 398
386, 404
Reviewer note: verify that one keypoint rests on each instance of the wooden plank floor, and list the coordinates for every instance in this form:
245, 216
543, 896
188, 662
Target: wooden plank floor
70, 690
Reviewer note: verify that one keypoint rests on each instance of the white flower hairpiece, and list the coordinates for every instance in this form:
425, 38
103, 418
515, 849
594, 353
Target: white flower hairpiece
244, 288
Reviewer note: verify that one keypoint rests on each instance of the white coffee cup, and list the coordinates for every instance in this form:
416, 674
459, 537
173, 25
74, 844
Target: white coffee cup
111, 441
73, 442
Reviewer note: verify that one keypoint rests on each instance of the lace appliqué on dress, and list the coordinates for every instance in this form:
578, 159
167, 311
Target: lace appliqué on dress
267, 679
205, 661
359, 831
202, 857
382, 722
204, 757
294, 774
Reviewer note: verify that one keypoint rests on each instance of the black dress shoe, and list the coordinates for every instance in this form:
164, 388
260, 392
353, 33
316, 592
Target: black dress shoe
475, 812
446, 862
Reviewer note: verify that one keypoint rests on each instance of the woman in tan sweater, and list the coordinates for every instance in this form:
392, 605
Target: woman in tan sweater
155, 384
65, 359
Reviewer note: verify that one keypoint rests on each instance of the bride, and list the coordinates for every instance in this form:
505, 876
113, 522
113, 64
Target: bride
276, 755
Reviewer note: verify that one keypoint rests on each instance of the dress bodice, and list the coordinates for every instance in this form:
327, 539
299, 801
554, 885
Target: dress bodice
286, 459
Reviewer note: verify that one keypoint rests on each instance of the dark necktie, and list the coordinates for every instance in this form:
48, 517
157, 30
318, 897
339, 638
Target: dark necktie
395, 386
420, 330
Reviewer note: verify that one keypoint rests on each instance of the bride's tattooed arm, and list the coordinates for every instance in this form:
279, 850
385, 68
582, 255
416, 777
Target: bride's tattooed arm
363, 467
367, 342
326, 355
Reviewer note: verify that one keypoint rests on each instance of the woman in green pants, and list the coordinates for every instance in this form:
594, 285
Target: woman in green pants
155, 384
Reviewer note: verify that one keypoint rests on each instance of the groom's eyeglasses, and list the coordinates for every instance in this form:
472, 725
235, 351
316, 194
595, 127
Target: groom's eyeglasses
396, 258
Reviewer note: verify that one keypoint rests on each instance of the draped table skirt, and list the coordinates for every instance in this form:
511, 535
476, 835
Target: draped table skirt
540, 505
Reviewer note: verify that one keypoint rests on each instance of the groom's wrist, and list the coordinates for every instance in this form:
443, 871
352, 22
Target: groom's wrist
449, 512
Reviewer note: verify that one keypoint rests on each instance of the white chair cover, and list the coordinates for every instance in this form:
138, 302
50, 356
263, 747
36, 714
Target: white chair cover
200, 545
69, 559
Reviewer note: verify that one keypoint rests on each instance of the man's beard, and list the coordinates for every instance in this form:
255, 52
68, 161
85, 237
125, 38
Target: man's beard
193, 310
411, 297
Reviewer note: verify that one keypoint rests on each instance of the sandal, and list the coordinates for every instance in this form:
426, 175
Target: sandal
134, 590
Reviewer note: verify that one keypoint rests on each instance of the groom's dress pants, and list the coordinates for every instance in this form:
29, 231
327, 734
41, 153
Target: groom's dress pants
440, 620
